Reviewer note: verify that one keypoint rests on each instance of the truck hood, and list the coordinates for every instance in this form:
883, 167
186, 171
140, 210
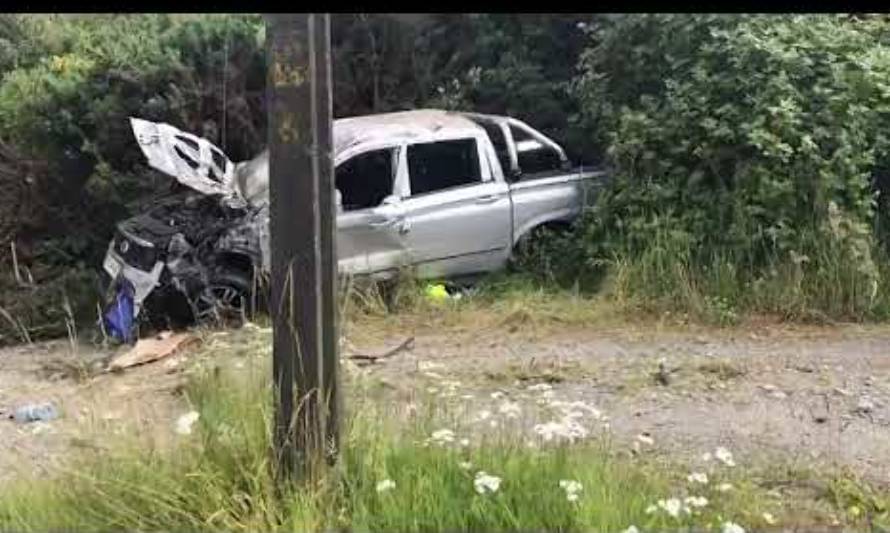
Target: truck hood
192, 160
199, 164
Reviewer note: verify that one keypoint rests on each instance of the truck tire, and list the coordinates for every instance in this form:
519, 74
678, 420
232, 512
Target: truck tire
225, 300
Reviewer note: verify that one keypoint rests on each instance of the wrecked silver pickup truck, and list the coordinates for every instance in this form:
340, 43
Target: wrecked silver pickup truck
442, 193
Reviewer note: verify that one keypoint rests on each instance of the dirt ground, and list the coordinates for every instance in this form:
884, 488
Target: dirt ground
811, 395
802, 395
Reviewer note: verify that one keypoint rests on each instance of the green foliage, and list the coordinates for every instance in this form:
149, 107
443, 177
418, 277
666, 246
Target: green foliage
743, 148
65, 98
521, 66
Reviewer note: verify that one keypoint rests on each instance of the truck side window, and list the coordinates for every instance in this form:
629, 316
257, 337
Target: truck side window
443, 164
535, 159
366, 179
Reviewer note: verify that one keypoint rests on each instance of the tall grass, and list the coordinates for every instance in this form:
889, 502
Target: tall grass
220, 478
826, 278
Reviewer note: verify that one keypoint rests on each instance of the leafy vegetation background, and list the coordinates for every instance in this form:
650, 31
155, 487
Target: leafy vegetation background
747, 153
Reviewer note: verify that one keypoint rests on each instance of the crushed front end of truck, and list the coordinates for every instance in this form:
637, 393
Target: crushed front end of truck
168, 259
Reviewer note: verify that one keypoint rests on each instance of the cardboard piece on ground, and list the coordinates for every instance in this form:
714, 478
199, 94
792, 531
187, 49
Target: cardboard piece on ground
149, 350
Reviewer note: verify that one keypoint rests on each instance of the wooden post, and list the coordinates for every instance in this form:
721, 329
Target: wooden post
302, 236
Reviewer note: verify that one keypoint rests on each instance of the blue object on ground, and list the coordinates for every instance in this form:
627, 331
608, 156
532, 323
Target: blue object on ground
35, 412
119, 316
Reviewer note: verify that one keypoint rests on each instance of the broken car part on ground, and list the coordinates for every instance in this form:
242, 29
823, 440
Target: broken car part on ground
443, 193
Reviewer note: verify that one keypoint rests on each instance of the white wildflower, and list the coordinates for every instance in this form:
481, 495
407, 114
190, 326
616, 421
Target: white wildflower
510, 409
486, 483
706, 457
432, 390
696, 501
724, 456
542, 387
433, 375
631, 529
651, 509
769, 518
673, 507
698, 477
572, 489
184, 423
496, 395
467, 397
385, 485
464, 442
732, 527
645, 439
567, 429
465, 465
442, 436
724, 487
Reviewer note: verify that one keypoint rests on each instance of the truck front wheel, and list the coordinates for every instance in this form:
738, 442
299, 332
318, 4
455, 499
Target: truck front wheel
225, 300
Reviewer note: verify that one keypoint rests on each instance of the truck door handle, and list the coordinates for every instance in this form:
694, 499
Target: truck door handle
398, 221
487, 199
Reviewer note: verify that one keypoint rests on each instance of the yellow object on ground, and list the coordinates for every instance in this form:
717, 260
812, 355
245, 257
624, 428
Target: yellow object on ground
436, 293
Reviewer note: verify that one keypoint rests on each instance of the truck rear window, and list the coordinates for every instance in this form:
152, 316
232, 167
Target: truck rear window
443, 164
535, 160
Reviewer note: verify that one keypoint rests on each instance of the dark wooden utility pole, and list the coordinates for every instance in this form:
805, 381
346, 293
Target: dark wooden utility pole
305, 339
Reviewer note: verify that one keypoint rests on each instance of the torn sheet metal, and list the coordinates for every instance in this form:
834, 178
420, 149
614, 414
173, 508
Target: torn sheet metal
192, 160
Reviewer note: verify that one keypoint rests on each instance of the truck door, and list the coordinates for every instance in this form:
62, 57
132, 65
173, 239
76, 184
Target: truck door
458, 218
368, 237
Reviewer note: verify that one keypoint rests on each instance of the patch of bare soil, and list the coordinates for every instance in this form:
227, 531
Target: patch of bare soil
93, 408
813, 396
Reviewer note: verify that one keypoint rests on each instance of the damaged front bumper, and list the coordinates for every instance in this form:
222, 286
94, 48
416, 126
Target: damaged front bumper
143, 282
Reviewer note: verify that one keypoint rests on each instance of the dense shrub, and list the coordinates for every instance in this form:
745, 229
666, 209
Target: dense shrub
743, 148
69, 85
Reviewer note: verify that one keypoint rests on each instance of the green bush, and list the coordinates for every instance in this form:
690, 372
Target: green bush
743, 149
69, 85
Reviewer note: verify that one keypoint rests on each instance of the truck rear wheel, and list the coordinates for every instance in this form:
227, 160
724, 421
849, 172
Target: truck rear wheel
532, 252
